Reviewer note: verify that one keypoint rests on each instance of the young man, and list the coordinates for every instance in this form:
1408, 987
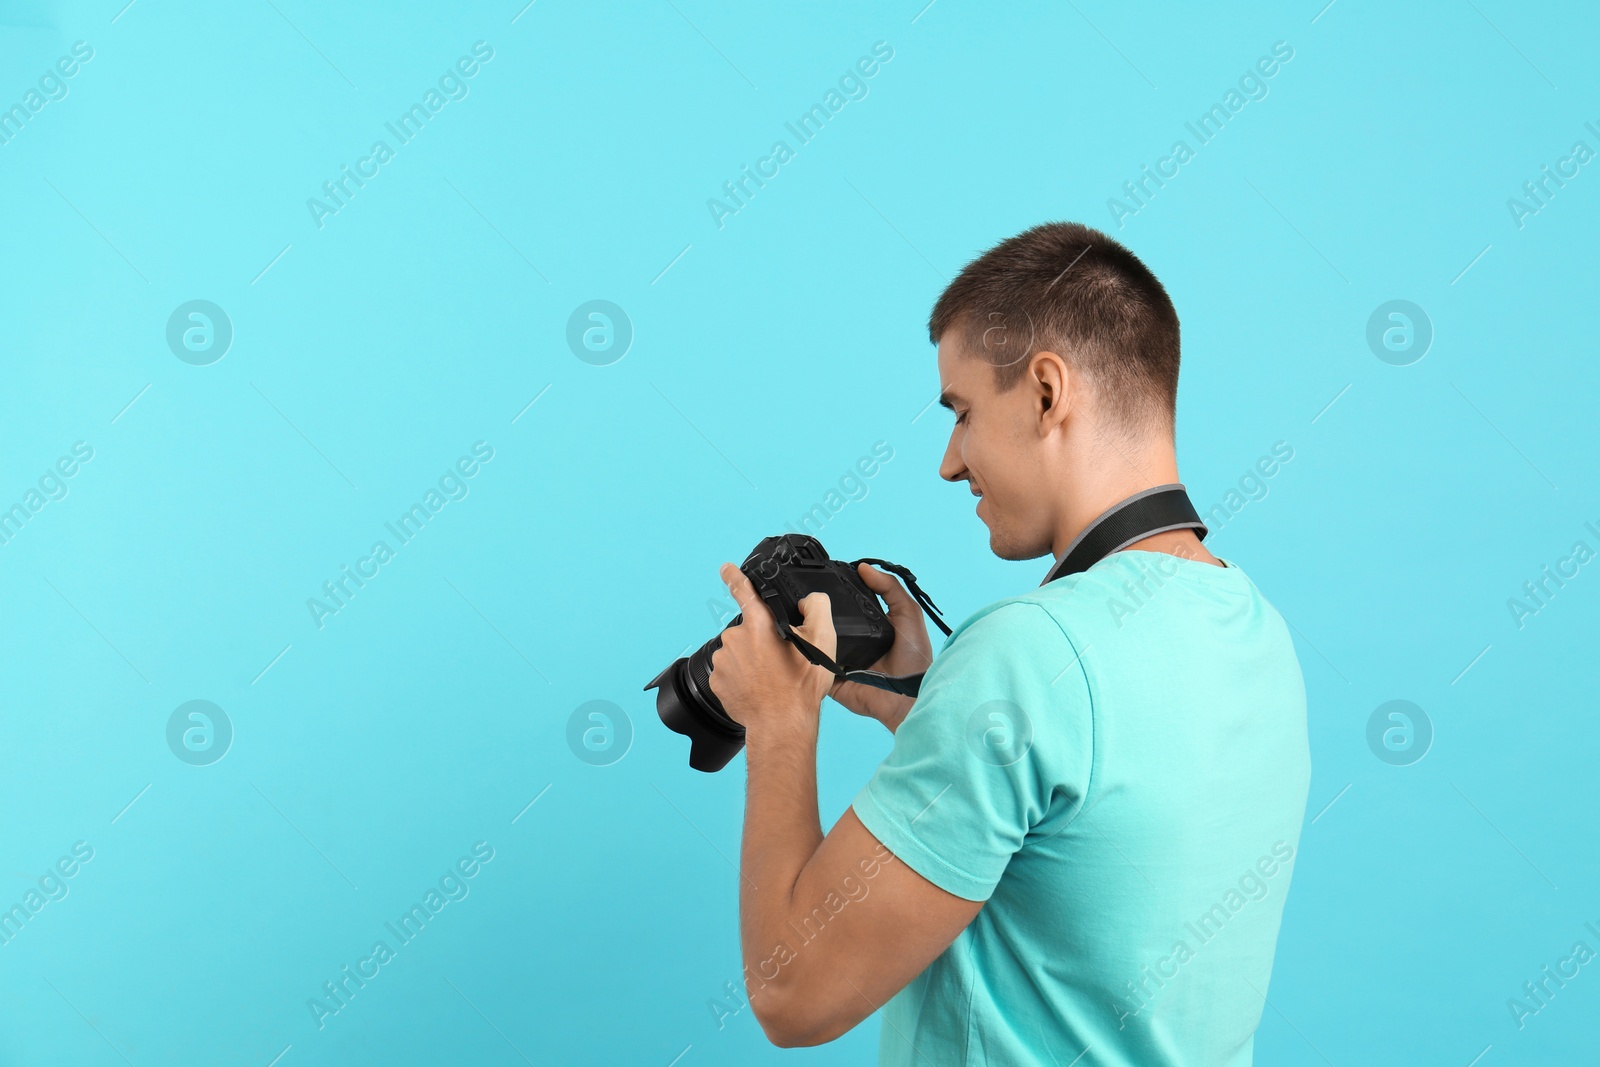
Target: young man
1078, 850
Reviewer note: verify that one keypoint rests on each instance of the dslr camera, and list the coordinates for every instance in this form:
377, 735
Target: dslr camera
784, 570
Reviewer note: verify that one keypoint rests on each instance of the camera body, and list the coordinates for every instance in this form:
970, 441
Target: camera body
786, 569
783, 570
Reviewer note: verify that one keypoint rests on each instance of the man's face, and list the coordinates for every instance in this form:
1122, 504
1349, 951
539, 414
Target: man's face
995, 447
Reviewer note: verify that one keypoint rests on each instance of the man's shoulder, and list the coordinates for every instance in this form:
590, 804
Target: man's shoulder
1047, 610
1012, 623
1085, 607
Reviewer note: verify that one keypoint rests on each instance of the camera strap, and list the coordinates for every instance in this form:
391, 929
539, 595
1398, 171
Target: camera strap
1145, 514
1153, 511
922, 598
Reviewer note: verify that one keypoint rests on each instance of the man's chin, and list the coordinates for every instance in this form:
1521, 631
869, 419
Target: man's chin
1011, 548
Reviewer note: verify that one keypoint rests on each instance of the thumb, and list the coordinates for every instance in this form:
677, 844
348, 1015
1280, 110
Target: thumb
816, 612
888, 587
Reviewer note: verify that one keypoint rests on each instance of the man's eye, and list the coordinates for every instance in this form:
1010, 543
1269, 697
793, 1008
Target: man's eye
961, 417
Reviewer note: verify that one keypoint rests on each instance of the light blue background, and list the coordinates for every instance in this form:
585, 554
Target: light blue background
774, 352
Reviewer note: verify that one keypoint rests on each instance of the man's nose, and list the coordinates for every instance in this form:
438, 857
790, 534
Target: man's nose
951, 468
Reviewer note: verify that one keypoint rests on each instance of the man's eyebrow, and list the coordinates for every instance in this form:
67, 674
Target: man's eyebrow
947, 399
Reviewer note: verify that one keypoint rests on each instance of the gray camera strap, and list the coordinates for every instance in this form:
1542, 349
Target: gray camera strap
1145, 514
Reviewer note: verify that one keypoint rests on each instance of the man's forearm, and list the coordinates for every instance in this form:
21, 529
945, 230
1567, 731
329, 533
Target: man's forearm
782, 832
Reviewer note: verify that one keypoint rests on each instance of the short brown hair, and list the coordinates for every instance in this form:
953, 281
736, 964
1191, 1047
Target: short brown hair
1066, 288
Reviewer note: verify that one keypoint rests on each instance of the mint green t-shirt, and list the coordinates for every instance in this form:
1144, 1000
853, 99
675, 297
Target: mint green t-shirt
1117, 764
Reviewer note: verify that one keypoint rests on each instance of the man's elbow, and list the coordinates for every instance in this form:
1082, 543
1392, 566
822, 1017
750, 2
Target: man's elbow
796, 1022
787, 1035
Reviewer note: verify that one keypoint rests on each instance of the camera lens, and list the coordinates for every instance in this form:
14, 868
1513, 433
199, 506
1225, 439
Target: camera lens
687, 705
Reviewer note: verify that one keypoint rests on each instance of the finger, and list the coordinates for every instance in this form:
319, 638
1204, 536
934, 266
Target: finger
888, 587
816, 613
744, 593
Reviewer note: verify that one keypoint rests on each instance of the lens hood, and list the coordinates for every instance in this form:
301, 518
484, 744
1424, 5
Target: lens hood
713, 739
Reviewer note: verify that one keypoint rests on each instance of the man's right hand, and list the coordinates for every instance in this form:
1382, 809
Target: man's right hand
911, 653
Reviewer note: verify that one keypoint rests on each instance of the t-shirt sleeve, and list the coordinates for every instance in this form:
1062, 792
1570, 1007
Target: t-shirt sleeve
999, 733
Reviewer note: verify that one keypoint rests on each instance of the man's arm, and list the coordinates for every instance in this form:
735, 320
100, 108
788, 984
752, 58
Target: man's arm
830, 927
825, 942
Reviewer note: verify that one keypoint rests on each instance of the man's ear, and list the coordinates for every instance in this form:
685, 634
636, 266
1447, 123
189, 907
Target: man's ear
1053, 384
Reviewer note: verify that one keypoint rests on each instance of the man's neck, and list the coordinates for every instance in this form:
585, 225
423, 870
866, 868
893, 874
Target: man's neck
1185, 543
1111, 475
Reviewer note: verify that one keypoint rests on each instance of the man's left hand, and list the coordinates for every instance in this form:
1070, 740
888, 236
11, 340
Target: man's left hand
761, 679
